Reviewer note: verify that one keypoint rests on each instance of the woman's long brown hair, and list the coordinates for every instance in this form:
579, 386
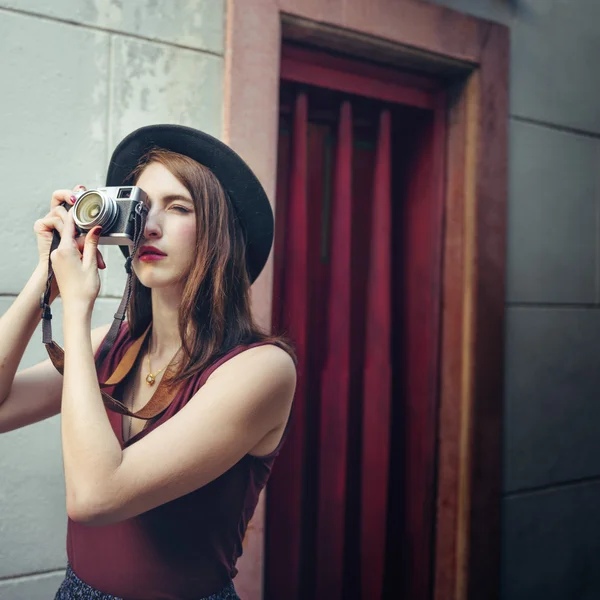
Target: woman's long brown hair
214, 315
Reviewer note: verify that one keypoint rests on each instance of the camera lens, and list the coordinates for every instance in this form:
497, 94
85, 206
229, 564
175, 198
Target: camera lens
89, 207
94, 208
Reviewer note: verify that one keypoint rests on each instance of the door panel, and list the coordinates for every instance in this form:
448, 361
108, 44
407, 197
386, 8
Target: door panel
351, 500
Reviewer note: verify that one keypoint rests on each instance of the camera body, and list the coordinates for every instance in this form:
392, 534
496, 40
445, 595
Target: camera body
116, 209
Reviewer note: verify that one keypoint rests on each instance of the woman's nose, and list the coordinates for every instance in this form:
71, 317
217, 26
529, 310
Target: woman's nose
152, 229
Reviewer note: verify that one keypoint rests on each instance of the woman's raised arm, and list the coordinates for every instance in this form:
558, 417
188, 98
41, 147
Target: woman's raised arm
34, 393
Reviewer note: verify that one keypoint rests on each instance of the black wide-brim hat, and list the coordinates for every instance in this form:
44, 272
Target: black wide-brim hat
249, 200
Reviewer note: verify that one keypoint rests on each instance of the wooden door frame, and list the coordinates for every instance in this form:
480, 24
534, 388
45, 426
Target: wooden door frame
472, 56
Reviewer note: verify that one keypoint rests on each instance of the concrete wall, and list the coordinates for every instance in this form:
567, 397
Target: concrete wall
552, 407
76, 76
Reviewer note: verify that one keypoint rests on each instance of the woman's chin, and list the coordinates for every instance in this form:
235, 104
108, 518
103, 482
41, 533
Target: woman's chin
157, 281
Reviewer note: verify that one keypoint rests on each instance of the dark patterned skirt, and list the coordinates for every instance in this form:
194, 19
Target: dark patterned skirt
72, 588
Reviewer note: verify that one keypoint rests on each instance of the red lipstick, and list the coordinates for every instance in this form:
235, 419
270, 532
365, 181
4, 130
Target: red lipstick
150, 254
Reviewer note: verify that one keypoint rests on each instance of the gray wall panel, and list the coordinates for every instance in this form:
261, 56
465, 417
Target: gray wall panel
153, 83
199, 24
53, 121
554, 43
552, 544
34, 587
498, 11
552, 413
71, 90
76, 77
552, 216
32, 494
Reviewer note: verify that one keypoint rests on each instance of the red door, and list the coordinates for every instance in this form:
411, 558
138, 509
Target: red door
351, 502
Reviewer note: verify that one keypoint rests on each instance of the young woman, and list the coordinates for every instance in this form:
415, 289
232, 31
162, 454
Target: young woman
158, 508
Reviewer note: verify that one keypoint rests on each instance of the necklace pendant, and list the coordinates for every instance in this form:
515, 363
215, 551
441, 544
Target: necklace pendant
150, 379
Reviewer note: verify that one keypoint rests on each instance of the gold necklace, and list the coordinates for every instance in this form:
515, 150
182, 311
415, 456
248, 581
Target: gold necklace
151, 377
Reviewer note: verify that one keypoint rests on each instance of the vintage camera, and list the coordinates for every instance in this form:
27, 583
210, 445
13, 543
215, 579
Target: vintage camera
116, 209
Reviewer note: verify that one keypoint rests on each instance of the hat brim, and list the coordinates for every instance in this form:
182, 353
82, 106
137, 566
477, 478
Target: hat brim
252, 206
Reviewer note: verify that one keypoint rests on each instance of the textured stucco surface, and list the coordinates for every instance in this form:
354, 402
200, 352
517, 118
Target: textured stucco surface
197, 24
77, 76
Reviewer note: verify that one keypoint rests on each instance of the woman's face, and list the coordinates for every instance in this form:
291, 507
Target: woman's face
170, 228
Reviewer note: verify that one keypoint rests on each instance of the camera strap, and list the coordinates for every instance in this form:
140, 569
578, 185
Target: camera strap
165, 392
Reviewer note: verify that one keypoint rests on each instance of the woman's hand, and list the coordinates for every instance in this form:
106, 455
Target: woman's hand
76, 269
44, 227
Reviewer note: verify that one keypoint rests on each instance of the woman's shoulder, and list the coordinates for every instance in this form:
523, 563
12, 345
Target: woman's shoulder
258, 361
257, 385
262, 356
266, 354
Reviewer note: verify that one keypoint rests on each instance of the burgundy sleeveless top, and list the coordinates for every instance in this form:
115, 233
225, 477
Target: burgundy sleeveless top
182, 550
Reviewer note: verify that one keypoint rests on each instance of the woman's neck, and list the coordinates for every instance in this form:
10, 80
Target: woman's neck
164, 337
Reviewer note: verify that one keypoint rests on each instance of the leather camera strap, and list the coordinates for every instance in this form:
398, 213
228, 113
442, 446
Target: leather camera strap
158, 403
162, 397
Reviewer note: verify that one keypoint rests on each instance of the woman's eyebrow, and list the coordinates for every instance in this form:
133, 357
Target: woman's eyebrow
173, 197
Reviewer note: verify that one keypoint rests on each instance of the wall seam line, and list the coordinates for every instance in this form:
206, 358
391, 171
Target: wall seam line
597, 231
34, 574
554, 305
556, 127
551, 487
29, 13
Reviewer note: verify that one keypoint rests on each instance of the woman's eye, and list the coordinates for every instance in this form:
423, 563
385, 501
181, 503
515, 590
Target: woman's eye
181, 209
